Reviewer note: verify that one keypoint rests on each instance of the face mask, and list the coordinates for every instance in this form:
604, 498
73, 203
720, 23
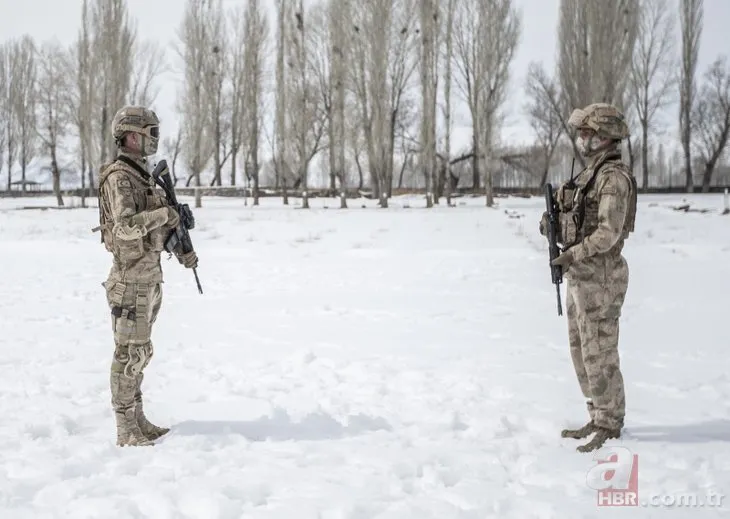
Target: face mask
149, 146
588, 146
150, 140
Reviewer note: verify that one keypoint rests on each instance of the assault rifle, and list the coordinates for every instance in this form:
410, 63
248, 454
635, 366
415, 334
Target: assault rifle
179, 237
556, 271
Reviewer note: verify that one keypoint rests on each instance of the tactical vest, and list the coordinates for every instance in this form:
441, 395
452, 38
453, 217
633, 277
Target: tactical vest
145, 196
579, 203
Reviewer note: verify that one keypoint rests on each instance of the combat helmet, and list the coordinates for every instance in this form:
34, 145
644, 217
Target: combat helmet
140, 120
606, 120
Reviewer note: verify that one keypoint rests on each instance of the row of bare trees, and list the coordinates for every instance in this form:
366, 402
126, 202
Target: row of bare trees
57, 101
365, 81
624, 52
359, 83
367, 88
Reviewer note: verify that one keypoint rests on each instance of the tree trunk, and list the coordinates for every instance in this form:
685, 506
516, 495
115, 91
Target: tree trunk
234, 154
83, 176
645, 158
475, 177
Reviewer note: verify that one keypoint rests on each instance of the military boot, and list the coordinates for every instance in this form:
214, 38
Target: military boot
150, 430
602, 434
578, 434
128, 432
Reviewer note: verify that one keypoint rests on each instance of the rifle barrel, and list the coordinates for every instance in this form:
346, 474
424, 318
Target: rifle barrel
197, 280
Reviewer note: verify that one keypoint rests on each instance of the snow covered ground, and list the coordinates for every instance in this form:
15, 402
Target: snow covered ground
390, 364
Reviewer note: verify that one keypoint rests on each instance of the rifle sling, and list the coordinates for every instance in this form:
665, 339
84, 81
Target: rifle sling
139, 169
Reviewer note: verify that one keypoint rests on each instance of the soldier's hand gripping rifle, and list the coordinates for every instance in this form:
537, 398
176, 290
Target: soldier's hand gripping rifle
179, 239
556, 271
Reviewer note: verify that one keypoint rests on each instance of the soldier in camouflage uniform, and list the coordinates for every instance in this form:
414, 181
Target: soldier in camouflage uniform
597, 213
135, 220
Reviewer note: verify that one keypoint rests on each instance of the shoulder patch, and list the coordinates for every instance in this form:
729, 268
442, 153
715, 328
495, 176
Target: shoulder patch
609, 189
613, 177
124, 183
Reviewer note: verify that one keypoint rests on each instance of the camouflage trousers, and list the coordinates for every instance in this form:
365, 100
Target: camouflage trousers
134, 308
596, 289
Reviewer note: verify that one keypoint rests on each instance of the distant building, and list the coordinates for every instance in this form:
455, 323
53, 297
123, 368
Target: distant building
30, 185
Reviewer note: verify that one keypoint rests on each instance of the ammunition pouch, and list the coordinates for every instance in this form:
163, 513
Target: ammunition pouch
568, 219
566, 198
569, 228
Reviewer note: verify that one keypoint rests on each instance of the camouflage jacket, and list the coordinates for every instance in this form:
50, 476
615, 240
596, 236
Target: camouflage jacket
598, 211
133, 219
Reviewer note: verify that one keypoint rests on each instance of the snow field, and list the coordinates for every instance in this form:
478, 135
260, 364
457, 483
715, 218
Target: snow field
357, 364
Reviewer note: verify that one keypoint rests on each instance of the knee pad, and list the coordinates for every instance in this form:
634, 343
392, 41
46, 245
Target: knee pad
137, 358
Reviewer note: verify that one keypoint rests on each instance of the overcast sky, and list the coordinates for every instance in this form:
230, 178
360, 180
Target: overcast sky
44, 19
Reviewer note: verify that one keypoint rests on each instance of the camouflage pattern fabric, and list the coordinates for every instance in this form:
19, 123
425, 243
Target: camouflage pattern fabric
139, 304
604, 119
595, 224
134, 221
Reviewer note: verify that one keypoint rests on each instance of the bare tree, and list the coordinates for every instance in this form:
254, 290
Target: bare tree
306, 85
595, 48
544, 118
81, 98
256, 35
597, 42
355, 140
339, 46
149, 64
371, 43
172, 147
196, 46
238, 46
322, 60
300, 92
384, 44
9, 87
691, 13
651, 71
499, 36
428, 16
113, 37
215, 75
445, 169
403, 60
282, 125
25, 101
52, 85
469, 77
5, 81
711, 118
488, 32
14, 94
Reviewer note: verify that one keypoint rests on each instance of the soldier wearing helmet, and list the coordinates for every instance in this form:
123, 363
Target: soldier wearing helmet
597, 213
135, 220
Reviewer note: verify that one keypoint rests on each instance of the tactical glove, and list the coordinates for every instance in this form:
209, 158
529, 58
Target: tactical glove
565, 260
189, 260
